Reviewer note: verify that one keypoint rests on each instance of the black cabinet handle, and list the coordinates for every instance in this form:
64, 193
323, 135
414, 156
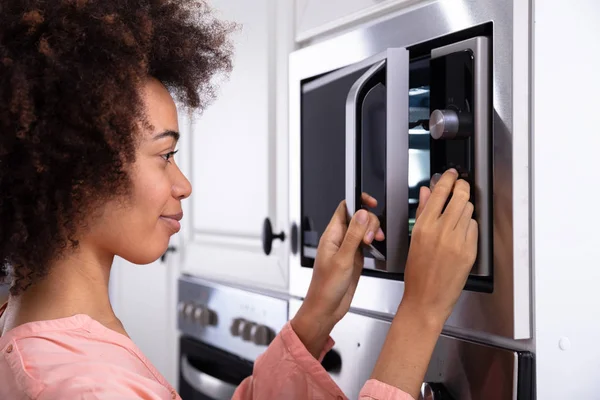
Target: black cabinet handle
332, 362
170, 249
268, 236
294, 239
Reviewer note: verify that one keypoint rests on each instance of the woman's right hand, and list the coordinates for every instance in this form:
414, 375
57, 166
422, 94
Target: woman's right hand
443, 249
442, 252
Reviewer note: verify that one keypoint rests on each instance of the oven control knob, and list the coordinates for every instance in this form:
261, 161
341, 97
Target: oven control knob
434, 391
262, 335
444, 124
247, 331
188, 310
180, 307
204, 316
237, 326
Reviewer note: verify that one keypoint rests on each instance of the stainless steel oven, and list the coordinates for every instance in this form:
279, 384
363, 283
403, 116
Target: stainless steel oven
223, 330
460, 369
381, 109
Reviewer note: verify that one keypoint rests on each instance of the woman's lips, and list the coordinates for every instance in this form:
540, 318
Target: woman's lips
173, 221
176, 217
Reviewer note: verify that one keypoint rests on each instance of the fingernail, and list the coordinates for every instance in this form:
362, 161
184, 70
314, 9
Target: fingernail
380, 232
362, 217
369, 237
434, 179
453, 171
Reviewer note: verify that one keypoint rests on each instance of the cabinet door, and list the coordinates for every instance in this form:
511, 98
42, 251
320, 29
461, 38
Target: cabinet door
234, 155
316, 17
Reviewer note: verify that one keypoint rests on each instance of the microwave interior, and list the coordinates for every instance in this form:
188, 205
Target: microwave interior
432, 83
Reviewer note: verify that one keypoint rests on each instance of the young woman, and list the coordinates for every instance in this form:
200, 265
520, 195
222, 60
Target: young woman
88, 131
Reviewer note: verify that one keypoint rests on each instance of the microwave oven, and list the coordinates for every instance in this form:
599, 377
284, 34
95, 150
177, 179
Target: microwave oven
381, 109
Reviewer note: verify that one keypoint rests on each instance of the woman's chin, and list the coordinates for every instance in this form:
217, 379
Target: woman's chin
147, 256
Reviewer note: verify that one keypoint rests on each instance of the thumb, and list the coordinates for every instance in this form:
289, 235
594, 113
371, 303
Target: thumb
354, 236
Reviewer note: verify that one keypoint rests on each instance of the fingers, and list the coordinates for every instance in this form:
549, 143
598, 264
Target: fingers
354, 235
465, 220
337, 228
373, 231
472, 235
439, 195
434, 180
424, 194
460, 197
369, 200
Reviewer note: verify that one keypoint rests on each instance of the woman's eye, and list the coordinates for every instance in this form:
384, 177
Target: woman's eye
169, 155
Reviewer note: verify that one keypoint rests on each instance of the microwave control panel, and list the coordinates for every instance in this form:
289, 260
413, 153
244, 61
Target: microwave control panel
460, 129
451, 121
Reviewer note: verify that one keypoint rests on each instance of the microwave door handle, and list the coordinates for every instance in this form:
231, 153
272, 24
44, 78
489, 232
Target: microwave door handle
397, 158
206, 384
354, 102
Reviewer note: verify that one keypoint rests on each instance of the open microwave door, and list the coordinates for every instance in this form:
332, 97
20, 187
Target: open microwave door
377, 154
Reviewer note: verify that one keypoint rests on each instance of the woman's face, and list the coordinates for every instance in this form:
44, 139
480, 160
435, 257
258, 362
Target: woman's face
139, 229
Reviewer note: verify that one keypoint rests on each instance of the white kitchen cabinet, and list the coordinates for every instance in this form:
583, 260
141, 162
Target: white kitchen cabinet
235, 155
318, 17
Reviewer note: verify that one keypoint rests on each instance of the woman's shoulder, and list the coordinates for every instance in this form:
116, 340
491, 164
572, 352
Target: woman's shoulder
76, 357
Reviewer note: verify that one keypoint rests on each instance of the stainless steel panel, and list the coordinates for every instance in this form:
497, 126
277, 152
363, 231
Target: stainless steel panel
482, 135
470, 371
507, 311
226, 304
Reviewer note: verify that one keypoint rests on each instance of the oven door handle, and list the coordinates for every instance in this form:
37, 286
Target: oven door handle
206, 384
393, 70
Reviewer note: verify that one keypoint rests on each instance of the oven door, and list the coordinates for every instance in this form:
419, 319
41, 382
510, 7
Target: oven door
207, 373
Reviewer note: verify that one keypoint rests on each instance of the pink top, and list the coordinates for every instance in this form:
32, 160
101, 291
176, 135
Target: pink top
79, 358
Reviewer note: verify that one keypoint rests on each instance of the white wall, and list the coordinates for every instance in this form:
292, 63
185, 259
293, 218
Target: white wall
567, 198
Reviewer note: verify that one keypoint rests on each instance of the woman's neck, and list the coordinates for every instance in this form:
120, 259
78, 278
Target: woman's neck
77, 284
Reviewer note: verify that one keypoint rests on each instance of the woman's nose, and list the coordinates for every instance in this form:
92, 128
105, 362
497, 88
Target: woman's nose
182, 188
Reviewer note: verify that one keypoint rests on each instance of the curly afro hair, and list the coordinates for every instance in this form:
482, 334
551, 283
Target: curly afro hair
71, 73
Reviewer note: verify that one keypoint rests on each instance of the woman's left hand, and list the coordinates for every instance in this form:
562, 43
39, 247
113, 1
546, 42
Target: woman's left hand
336, 272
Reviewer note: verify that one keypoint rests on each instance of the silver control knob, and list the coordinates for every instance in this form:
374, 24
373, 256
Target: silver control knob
188, 310
444, 124
204, 316
262, 335
237, 326
427, 392
180, 307
247, 331
434, 391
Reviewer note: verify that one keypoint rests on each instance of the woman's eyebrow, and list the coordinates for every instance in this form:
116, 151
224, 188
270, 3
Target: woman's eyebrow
166, 134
